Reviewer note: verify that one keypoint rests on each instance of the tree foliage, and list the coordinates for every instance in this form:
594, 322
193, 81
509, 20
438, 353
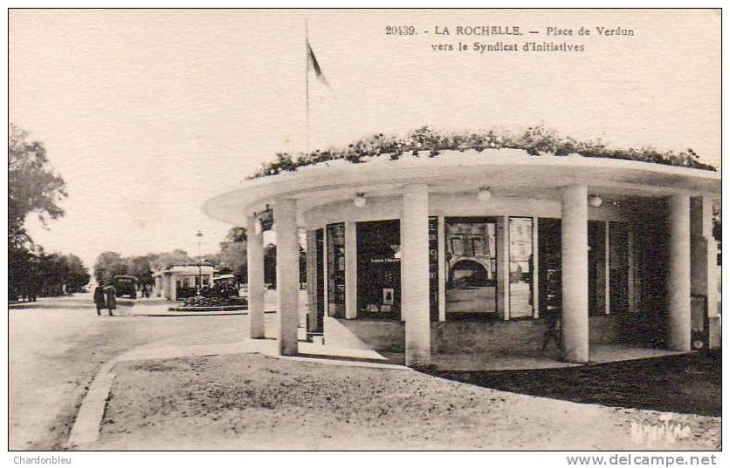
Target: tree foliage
34, 273
34, 188
141, 268
165, 260
108, 265
270, 264
233, 256
32, 185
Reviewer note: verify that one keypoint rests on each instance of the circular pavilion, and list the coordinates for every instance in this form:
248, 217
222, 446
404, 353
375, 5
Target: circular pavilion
466, 251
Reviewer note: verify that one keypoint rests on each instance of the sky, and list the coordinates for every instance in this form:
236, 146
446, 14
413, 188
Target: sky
147, 114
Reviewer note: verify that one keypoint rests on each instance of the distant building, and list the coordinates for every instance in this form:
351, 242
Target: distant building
466, 252
179, 281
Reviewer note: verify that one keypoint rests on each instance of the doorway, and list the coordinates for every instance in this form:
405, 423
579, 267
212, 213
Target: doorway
379, 269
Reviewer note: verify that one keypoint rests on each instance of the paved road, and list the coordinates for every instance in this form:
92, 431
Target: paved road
58, 345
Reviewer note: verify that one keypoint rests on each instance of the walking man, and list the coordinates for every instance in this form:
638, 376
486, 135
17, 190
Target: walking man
99, 298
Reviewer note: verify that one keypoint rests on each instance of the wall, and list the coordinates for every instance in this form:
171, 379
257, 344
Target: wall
378, 335
380, 208
458, 337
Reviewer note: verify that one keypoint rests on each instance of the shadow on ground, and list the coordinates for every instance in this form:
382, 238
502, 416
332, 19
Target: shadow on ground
688, 383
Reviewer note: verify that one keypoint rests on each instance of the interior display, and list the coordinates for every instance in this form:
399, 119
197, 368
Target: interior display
520, 268
433, 267
388, 294
379, 269
471, 260
549, 231
336, 269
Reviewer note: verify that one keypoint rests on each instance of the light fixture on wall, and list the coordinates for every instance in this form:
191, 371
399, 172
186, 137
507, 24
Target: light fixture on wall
595, 201
360, 200
484, 194
264, 221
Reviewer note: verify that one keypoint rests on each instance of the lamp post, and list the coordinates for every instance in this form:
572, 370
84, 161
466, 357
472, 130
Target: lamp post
199, 235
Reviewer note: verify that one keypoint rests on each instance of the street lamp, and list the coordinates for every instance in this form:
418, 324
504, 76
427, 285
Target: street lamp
199, 235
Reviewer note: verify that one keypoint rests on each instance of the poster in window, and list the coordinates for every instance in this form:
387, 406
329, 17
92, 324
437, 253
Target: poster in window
388, 294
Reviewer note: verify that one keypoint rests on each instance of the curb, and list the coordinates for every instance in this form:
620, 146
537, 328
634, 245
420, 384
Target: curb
207, 309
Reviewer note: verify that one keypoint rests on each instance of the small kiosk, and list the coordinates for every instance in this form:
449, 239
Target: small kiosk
181, 281
465, 251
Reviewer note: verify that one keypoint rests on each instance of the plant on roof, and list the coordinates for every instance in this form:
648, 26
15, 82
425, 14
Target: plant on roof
426, 142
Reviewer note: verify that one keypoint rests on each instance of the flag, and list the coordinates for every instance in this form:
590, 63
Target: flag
313, 65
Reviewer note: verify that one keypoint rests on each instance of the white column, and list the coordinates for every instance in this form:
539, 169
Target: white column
607, 253
415, 274
350, 270
287, 275
256, 288
704, 253
575, 273
535, 272
311, 280
704, 265
173, 287
442, 271
678, 276
503, 275
632, 272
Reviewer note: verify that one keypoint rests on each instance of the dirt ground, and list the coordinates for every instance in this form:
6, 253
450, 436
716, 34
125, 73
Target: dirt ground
689, 383
252, 402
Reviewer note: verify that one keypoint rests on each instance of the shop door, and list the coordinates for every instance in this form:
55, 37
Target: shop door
596, 267
619, 264
319, 243
549, 272
379, 270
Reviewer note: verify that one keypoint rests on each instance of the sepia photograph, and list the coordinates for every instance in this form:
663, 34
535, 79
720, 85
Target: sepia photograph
474, 230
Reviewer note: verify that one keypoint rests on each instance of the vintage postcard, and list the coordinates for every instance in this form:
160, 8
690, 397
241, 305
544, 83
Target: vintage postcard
487, 230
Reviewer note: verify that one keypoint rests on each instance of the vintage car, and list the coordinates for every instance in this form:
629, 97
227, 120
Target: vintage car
125, 286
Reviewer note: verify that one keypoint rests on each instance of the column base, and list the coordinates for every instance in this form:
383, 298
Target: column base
714, 334
285, 350
418, 359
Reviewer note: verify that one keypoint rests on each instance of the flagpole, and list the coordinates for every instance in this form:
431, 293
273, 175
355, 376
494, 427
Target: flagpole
306, 80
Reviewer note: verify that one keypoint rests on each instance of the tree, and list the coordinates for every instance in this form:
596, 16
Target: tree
108, 265
50, 275
78, 275
270, 264
53, 269
237, 234
141, 268
167, 259
234, 254
32, 186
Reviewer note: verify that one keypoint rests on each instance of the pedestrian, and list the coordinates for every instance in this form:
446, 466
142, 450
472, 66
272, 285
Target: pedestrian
553, 332
99, 298
111, 298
